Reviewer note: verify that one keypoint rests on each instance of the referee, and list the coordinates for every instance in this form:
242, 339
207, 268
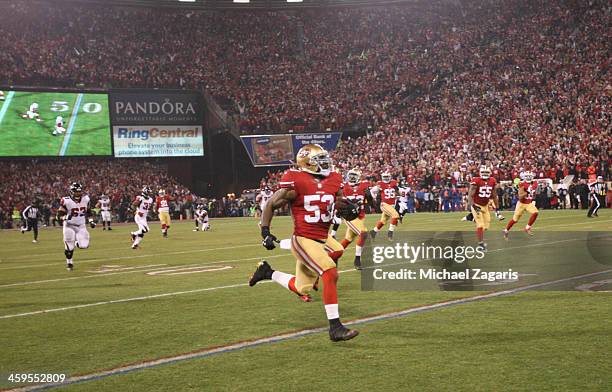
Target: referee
30, 215
598, 192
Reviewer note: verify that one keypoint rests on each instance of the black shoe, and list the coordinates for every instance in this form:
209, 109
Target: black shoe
390, 235
70, 266
342, 333
482, 246
263, 272
133, 237
109, 229
373, 234
357, 263
104, 229
165, 235
401, 218
589, 216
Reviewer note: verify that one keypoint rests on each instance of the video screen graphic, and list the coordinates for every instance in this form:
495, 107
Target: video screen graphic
54, 124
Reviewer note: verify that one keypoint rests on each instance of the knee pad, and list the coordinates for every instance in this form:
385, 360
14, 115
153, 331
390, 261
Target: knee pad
141, 235
68, 253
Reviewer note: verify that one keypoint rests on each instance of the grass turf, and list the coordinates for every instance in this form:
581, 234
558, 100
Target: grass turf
90, 133
528, 341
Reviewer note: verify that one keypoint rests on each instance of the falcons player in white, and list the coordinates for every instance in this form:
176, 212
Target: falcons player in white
264, 195
32, 113
74, 212
201, 218
142, 204
59, 126
104, 204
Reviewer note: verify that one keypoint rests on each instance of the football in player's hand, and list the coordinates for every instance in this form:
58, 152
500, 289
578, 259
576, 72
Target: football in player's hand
347, 209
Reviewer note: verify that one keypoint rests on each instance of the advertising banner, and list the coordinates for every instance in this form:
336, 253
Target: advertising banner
157, 141
280, 150
156, 108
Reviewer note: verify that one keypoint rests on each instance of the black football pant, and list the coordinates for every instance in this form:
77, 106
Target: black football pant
595, 204
32, 225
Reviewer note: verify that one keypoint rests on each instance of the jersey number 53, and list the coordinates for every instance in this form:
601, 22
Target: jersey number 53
313, 203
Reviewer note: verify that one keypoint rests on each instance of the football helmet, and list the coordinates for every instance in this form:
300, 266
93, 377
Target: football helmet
161, 192
353, 176
146, 191
76, 191
314, 159
485, 172
528, 176
385, 177
600, 179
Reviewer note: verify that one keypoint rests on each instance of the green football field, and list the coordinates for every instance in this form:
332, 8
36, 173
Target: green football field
177, 315
86, 121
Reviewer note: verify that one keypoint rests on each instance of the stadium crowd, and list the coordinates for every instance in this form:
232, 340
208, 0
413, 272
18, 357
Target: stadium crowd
441, 86
26, 181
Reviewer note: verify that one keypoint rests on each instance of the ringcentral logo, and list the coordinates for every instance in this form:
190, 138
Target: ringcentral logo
145, 134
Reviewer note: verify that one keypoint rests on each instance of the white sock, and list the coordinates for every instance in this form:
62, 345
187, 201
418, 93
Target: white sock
391, 227
527, 227
332, 311
333, 233
68, 261
282, 278
376, 229
137, 240
358, 250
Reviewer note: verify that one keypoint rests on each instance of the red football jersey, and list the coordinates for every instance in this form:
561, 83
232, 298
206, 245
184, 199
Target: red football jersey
387, 191
357, 194
313, 208
163, 203
530, 188
484, 190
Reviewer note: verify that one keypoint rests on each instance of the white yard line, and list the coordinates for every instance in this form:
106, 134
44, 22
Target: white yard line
6, 104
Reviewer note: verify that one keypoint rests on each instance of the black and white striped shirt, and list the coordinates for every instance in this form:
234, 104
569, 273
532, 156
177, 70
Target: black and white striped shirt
599, 188
30, 212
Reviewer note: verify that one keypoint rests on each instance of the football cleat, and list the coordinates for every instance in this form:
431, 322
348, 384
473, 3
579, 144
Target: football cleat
195, 230
373, 234
165, 235
482, 246
34, 241
263, 272
110, 228
135, 246
133, 237
23, 229
341, 333
70, 266
390, 235
305, 298
528, 231
506, 234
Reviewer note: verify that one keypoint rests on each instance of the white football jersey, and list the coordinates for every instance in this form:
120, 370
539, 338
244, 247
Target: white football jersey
34, 107
76, 211
59, 122
105, 204
144, 204
264, 197
403, 194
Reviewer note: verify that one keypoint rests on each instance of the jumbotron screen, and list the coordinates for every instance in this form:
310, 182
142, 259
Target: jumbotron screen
54, 124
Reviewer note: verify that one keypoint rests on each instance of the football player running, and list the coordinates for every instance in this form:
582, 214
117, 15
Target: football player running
104, 204
402, 201
201, 218
264, 195
142, 204
311, 191
482, 190
59, 126
388, 193
355, 190
162, 206
526, 190
74, 212
32, 113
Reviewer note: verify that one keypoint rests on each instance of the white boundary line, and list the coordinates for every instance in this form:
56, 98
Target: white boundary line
288, 336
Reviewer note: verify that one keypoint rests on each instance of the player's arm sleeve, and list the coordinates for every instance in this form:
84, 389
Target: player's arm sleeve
287, 181
25, 211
